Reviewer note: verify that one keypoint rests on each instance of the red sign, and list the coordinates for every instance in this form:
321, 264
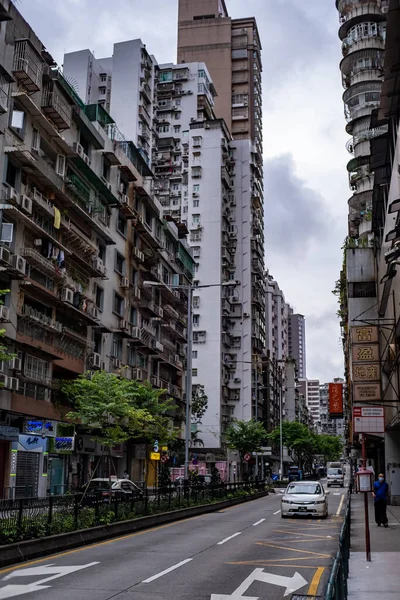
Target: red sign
247, 457
164, 458
336, 400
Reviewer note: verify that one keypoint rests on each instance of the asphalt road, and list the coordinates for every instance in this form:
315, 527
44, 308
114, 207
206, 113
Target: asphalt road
247, 551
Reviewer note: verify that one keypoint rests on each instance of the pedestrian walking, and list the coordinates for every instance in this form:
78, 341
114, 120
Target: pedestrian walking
380, 494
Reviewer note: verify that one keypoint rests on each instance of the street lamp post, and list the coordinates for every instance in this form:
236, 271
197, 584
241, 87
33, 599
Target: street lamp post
189, 352
280, 425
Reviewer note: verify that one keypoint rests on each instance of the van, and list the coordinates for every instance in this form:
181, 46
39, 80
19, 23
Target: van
335, 475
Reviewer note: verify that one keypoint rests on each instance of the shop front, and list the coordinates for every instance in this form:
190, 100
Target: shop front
7, 436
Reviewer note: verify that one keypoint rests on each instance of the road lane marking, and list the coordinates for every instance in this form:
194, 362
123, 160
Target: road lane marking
313, 589
258, 522
319, 554
267, 563
340, 505
166, 571
277, 512
336, 494
229, 538
299, 534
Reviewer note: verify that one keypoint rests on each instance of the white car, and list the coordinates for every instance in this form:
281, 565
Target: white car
335, 476
304, 498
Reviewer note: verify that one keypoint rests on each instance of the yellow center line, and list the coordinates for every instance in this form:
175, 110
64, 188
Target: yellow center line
313, 589
340, 505
98, 545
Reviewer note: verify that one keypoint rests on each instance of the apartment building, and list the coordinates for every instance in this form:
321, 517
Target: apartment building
128, 73
277, 312
297, 341
194, 161
82, 233
231, 50
309, 389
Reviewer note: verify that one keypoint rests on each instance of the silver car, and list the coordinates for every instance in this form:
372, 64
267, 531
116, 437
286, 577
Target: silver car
304, 498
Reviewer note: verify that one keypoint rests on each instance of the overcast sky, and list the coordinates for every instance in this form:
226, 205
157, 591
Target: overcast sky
306, 188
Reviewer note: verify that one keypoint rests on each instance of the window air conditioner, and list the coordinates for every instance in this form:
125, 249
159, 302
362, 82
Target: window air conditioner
124, 283
78, 148
26, 204
96, 360
15, 364
18, 263
4, 314
138, 374
5, 255
67, 295
13, 384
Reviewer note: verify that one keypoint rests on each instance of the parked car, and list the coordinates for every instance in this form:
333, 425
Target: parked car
106, 488
200, 481
335, 476
304, 498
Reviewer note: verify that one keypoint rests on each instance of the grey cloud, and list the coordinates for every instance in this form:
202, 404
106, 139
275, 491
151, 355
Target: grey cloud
295, 214
324, 346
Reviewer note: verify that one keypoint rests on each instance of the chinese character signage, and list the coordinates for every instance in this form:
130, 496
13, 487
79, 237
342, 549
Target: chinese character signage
367, 392
368, 419
336, 400
365, 353
366, 372
364, 334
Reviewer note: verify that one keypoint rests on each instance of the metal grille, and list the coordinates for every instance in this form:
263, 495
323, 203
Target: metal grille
27, 474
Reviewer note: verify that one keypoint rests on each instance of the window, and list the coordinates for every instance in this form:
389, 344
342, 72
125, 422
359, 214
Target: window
176, 187
103, 77
196, 203
194, 354
17, 122
194, 372
122, 225
362, 290
196, 188
133, 316
106, 169
196, 158
177, 128
116, 350
165, 76
196, 251
177, 116
35, 368
196, 219
99, 297
196, 301
118, 307
148, 218
196, 267
163, 128
196, 320
120, 264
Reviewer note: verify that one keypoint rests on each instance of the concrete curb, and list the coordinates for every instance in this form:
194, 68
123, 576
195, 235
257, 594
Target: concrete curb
28, 550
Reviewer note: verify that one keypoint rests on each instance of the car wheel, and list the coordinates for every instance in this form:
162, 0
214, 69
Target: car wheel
285, 516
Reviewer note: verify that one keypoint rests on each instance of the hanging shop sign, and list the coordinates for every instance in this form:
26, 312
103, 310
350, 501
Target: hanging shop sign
365, 353
32, 443
367, 392
366, 372
336, 400
369, 419
10, 434
40, 427
364, 334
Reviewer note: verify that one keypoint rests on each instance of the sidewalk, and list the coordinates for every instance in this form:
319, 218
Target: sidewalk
379, 578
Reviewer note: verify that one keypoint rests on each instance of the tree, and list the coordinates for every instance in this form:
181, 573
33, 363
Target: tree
116, 409
245, 436
199, 403
329, 446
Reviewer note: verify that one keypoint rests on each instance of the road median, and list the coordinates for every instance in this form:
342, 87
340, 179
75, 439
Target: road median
18, 552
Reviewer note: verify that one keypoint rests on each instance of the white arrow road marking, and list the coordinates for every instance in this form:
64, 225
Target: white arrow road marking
292, 584
16, 590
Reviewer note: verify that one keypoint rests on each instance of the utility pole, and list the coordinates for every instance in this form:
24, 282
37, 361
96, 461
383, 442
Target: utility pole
188, 382
256, 409
280, 422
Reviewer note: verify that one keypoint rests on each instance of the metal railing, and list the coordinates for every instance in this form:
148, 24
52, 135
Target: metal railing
31, 518
337, 583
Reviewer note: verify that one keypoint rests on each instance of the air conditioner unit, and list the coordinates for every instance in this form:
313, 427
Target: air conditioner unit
124, 283
67, 295
18, 263
138, 374
138, 254
123, 324
12, 384
5, 255
136, 333
26, 204
96, 360
58, 326
98, 264
206, 126
136, 292
176, 293
86, 159
15, 363
3, 380
47, 395
78, 148
12, 195
125, 199
117, 363
94, 312
237, 380
177, 358
4, 314
159, 311
154, 380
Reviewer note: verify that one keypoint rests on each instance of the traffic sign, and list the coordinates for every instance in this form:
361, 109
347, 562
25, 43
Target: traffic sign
155, 456
247, 457
164, 448
266, 448
164, 458
155, 447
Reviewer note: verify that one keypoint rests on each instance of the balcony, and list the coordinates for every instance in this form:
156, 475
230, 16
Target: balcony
56, 107
27, 66
257, 266
34, 258
226, 178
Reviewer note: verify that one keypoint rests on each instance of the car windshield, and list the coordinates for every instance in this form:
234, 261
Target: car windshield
99, 485
335, 472
312, 488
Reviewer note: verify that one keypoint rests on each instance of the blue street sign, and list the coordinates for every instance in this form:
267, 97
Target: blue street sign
155, 447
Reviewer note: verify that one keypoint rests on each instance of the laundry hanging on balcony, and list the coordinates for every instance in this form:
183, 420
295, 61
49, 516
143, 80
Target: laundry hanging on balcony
57, 218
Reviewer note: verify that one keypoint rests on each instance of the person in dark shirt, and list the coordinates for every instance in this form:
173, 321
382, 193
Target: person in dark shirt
380, 494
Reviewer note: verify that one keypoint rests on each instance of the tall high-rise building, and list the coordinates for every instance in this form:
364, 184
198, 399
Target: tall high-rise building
277, 312
231, 50
297, 341
111, 81
309, 388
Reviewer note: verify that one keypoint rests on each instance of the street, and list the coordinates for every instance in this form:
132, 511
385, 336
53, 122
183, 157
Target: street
247, 551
